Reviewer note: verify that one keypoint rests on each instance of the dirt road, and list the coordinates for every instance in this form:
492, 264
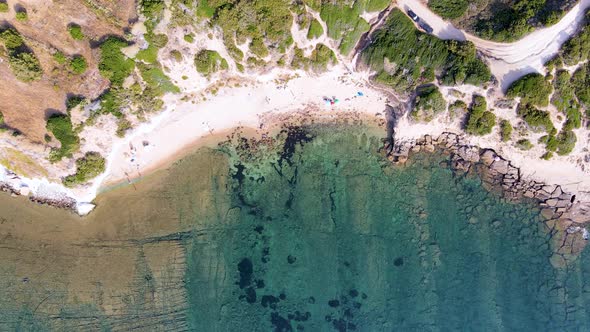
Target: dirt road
508, 61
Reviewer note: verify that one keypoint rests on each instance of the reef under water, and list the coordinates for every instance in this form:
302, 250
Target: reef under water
313, 231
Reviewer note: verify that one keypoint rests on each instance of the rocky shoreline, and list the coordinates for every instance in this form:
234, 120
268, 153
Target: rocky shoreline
565, 218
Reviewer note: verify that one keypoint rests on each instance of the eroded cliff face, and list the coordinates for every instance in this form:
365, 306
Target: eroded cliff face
313, 230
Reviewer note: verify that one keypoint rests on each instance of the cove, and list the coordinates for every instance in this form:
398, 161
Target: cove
315, 230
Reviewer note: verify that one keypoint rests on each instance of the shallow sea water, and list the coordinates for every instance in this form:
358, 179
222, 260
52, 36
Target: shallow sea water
322, 234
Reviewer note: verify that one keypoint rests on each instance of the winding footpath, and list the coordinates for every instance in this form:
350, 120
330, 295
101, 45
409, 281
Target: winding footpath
508, 61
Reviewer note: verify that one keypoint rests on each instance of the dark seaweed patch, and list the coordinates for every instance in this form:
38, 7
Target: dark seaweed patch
334, 303
295, 136
398, 261
280, 323
246, 269
269, 301
291, 259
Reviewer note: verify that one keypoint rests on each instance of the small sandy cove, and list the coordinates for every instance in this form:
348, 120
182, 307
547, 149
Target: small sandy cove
245, 101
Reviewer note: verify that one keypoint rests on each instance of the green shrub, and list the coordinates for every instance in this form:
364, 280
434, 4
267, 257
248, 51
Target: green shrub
414, 56
258, 48
458, 106
208, 62
22, 16
532, 88
315, 30
524, 144
321, 57
581, 82
122, 126
566, 142
59, 57
76, 31
449, 9
480, 121
505, 130
176, 55
3, 7
60, 126
577, 48
536, 119
11, 39
78, 64
110, 103
189, 38
152, 9
25, 66
87, 168
155, 78
547, 155
148, 55
113, 64
429, 102
73, 101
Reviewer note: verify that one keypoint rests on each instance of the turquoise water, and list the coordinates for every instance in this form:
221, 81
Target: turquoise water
320, 233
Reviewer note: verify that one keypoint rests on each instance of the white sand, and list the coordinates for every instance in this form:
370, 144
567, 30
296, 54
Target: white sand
185, 122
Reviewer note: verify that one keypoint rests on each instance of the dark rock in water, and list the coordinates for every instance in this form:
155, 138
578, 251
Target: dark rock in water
269, 301
339, 324
246, 269
291, 259
328, 318
353, 293
300, 327
259, 283
398, 261
282, 296
311, 300
250, 295
333, 303
280, 324
259, 229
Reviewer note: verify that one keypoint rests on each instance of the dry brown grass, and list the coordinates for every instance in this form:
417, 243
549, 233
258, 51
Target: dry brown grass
26, 105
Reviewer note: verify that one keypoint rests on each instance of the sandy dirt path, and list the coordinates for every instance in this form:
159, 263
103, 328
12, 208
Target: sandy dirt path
508, 61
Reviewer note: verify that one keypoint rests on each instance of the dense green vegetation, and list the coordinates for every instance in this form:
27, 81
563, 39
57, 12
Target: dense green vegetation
60, 125
113, 64
3, 7
315, 30
87, 168
480, 121
536, 119
507, 21
404, 57
581, 84
22, 15
565, 99
577, 48
505, 130
156, 79
208, 62
73, 101
78, 64
23, 63
532, 88
321, 57
76, 31
563, 143
343, 19
429, 102
189, 38
267, 22
449, 9
524, 144
59, 57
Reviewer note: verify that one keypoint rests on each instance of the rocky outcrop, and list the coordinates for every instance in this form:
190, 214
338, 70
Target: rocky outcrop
564, 218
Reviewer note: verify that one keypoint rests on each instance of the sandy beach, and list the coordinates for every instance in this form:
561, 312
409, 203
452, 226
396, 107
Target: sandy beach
210, 106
